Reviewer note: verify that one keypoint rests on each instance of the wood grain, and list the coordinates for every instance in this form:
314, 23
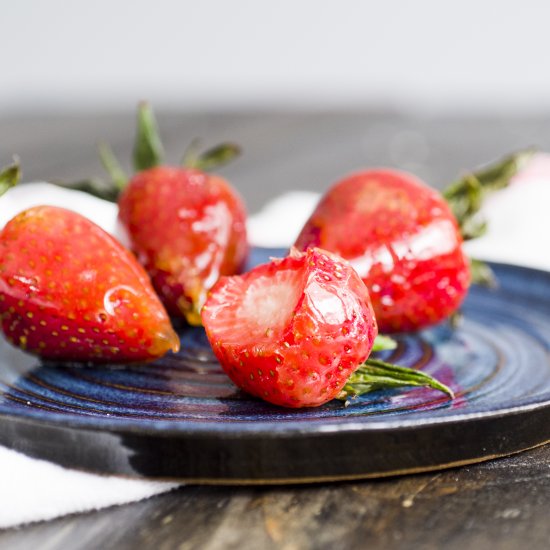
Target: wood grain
501, 504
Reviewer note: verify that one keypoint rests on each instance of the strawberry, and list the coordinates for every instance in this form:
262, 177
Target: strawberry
403, 241
297, 332
187, 227
291, 331
69, 291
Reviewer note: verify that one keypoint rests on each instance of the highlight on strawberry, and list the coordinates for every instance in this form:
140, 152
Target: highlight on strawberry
69, 291
405, 239
298, 331
186, 225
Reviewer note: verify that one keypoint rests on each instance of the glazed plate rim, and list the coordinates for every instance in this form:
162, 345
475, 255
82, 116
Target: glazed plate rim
240, 429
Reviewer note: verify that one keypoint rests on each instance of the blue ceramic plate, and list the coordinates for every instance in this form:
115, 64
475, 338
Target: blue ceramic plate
182, 418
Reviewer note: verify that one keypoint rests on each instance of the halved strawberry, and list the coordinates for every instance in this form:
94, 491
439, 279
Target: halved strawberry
292, 331
69, 291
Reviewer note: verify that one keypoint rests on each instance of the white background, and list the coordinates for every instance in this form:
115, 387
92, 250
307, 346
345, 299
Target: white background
195, 54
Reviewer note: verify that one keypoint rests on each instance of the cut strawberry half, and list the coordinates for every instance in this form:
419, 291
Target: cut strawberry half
292, 331
256, 308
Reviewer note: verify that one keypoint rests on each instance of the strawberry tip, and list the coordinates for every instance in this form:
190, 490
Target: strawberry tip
163, 341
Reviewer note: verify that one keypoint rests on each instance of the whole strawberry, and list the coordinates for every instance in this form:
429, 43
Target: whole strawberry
188, 229
405, 239
69, 291
186, 226
402, 239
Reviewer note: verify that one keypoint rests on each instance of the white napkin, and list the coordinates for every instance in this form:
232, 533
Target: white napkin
519, 220
33, 490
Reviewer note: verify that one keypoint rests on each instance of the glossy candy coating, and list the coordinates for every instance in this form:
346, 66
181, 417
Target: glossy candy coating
291, 331
188, 228
69, 291
403, 241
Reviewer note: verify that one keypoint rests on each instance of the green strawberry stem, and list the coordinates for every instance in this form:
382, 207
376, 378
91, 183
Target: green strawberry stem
148, 153
482, 274
9, 176
191, 154
466, 195
374, 375
383, 343
211, 159
112, 166
148, 150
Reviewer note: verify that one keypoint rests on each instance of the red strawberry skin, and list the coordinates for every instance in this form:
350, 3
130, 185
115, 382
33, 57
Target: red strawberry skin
188, 228
403, 241
69, 291
291, 331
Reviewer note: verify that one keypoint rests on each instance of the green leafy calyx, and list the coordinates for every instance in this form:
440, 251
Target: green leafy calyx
148, 150
374, 375
466, 196
211, 159
9, 176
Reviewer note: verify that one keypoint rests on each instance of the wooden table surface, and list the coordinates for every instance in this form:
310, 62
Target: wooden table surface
499, 504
